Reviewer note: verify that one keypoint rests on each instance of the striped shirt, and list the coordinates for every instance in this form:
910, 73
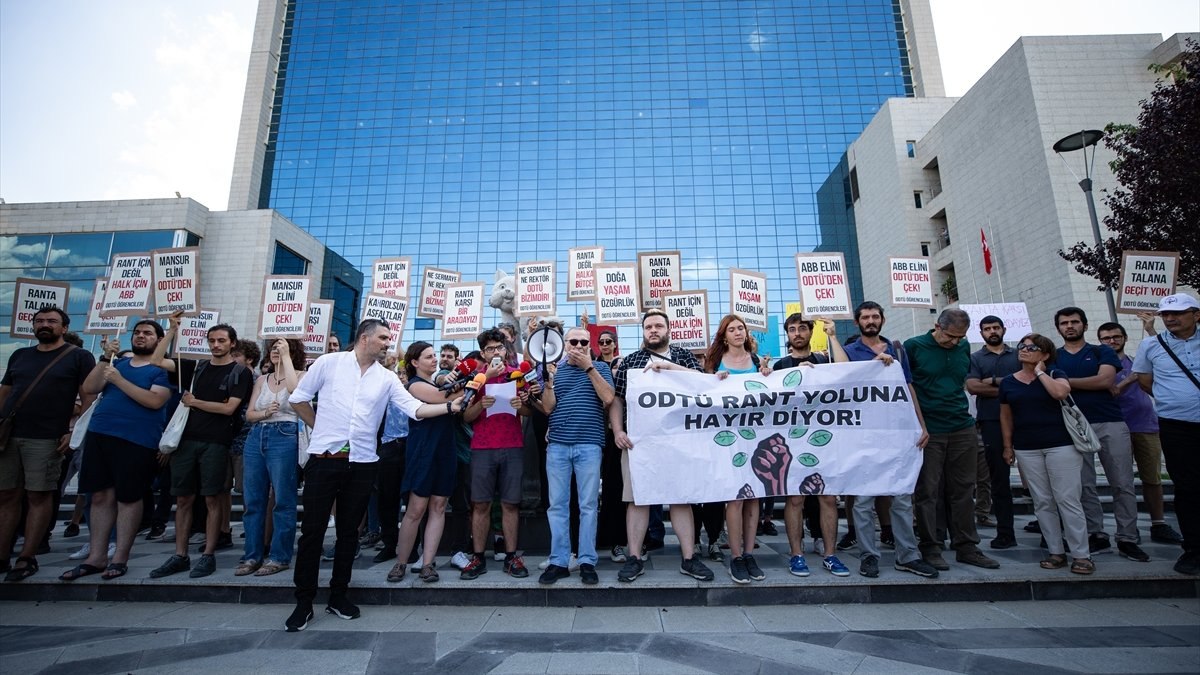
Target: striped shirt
578, 415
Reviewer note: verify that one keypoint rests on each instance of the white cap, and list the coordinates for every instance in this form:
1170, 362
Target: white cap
1177, 303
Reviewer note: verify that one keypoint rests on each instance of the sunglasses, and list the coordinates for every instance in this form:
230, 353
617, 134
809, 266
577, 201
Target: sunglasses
608, 342
1029, 348
578, 343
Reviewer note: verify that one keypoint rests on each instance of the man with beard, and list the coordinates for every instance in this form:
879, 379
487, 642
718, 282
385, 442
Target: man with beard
871, 345
989, 366
657, 353
1092, 371
355, 390
39, 389
799, 334
121, 446
201, 462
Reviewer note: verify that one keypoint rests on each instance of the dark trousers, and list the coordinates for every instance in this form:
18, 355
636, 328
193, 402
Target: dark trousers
1002, 503
610, 528
1178, 440
949, 459
387, 482
711, 518
326, 481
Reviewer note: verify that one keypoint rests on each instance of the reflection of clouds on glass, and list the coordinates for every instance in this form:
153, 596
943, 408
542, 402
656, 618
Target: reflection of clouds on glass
757, 39
699, 269
66, 258
13, 254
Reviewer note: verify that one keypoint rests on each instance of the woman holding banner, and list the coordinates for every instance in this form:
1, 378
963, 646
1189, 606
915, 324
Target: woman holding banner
732, 352
430, 465
269, 462
1050, 464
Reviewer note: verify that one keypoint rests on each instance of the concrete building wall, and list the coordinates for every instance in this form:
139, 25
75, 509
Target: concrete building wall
922, 48
259, 99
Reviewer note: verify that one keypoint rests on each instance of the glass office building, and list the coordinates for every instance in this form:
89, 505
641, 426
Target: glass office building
474, 134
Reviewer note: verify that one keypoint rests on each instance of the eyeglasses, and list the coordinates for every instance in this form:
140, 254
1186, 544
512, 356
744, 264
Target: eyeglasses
578, 343
607, 342
1029, 348
1110, 338
494, 348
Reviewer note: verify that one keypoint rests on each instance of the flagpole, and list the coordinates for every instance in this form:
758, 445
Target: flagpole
995, 262
971, 270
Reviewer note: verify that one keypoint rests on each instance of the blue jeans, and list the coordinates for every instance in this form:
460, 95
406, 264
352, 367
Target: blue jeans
561, 460
270, 462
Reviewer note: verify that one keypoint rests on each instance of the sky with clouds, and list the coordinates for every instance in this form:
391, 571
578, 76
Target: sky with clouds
127, 99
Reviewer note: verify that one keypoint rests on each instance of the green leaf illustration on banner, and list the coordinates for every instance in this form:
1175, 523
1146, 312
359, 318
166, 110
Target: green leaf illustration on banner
754, 385
725, 438
808, 459
740, 459
747, 434
797, 432
820, 438
793, 379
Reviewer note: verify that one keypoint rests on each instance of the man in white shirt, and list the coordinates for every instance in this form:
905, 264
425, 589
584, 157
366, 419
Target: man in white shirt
354, 389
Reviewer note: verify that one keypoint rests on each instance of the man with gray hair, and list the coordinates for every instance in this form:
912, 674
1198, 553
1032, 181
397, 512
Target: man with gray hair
939, 361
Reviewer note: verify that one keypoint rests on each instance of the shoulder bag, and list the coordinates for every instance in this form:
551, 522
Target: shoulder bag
1082, 434
7, 421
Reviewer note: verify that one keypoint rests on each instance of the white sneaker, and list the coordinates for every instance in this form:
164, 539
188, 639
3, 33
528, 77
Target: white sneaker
573, 565
460, 560
83, 552
618, 554
819, 546
544, 564
112, 550
197, 539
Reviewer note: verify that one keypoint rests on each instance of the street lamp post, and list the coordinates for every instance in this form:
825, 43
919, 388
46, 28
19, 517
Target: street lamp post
1082, 141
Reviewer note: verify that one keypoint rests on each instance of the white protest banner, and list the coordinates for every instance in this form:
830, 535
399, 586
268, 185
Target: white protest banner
128, 292
912, 283
464, 310
192, 340
176, 281
824, 286
320, 316
432, 303
687, 317
581, 277
617, 294
748, 297
535, 292
96, 324
1146, 277
390, 310
843, 428
284, 306
31, 295
660, 272
390, 276
1014, 315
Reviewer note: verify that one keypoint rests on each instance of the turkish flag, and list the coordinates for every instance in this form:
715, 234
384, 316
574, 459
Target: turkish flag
987, 252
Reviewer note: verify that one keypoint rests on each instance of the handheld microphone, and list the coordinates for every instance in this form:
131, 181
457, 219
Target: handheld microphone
520, 375
473, 388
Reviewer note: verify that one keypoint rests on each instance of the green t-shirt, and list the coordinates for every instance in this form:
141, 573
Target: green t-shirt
939, 375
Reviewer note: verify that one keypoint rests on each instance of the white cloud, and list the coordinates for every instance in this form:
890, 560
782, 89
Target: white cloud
123, 99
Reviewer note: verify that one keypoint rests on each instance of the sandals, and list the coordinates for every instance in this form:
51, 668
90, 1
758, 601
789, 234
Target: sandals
429, 574
246, 567
22, 573
1083, 566
114, 570
80, 570
271, 567
397, 572
1054, 561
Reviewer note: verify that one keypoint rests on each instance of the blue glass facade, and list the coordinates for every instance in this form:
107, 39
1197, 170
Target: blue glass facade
471, 135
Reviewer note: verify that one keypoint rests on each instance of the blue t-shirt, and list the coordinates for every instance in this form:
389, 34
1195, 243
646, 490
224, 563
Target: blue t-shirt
120, 416
1037, 417
578, 415
1097, 404
857, 351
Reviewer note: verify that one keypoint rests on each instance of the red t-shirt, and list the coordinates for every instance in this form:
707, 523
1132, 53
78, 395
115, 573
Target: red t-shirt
497, 431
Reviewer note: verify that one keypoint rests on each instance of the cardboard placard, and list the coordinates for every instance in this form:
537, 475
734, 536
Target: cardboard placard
390, 310
284, 306
391, 276
96, 324
432, 304
687, 318
1014, 315
617, 294
824, 286
192, 340
581, 278
130, 280
464, 310
535, 292
748, 297
1146, 277
176, 273
316, 338
30, 296
660, 272
912, 282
